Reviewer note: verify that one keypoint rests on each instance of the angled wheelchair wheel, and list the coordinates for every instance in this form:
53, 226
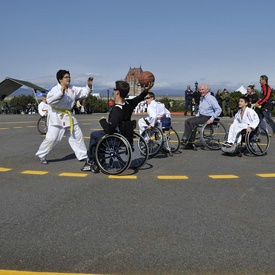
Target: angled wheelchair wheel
42, 125
113, 154
140, 151
257, 142
171, 139
154, 140
213, 135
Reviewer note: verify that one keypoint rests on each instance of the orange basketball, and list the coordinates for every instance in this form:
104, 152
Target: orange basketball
146, 77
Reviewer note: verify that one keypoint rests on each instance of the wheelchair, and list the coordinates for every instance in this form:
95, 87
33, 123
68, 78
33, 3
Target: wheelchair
162, 136
255, 143
210, 136
117, 152
42, 125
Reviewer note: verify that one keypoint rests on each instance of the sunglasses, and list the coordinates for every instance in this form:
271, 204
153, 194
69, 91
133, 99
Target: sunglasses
148, 97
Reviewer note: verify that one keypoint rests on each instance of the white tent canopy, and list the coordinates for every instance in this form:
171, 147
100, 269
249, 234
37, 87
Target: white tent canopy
242, 89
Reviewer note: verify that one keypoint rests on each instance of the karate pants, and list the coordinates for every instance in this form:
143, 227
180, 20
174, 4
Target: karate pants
54, 136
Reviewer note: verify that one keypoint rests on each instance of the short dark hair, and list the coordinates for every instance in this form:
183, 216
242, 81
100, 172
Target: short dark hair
245, 98
60, 74
123, 87
151, 94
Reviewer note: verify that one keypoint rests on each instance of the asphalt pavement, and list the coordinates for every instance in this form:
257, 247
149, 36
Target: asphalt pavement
197, 212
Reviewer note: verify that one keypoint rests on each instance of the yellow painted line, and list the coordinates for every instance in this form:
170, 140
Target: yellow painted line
173, 177
31, 126
223, 176
4, 128
17, 127
268, 175
3, 169
17, 272
79, 175
122, 177
34, 172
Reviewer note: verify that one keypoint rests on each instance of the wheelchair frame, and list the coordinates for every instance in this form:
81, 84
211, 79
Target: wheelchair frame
256, 143
159, 138
115, 154
42, 126
211, 135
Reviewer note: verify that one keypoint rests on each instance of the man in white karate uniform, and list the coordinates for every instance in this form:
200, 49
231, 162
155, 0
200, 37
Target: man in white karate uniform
61, 99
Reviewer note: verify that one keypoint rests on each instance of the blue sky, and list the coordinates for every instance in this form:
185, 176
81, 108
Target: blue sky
222, 43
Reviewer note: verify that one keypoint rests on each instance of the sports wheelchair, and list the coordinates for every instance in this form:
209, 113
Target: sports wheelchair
117, 152
209, 136
255, 143
42, 126
162, 136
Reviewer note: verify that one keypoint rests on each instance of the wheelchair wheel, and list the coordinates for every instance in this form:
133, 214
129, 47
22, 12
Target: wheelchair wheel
213, 135
171, 140
140, 151
42, 125
154, 140
113, 154
257, 142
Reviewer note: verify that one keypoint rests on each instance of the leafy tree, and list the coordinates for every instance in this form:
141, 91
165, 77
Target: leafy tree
97, 105
21, 100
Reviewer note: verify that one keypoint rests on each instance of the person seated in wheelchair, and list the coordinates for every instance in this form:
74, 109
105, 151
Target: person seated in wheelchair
209, 109
156, 111
120, 112
245, 119
43, 107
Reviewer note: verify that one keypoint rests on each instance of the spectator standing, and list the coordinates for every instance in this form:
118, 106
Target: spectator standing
264, 104
196, 100
219, 97
188, 100
226, 103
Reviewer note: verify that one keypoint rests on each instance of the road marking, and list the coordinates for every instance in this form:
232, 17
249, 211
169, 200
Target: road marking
173, 177
33, 172
3, 169
31, 126
17, 127
79, 175
223, 176
4, 128
268, 175
17, 272
122, 177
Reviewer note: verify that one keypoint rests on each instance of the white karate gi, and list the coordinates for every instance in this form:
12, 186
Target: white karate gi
250, 119
43, 108
155, 110
61, 121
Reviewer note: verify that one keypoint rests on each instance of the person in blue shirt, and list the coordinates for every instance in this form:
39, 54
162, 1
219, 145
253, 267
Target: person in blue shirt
209, 109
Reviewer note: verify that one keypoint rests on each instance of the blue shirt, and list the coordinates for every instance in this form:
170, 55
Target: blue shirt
209, 106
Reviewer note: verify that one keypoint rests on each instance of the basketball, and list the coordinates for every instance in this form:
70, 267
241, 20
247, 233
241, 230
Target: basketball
146, 77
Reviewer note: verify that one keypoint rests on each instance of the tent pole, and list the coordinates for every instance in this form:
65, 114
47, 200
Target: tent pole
35, 97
